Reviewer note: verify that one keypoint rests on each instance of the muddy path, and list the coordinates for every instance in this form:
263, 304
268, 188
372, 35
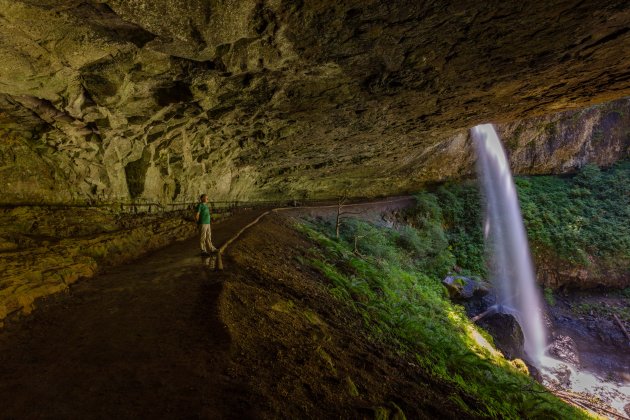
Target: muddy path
142, 340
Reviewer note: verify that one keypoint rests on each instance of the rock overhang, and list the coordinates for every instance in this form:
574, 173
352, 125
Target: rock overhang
160, 100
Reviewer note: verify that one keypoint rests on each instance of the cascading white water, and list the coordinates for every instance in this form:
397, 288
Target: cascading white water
510, 263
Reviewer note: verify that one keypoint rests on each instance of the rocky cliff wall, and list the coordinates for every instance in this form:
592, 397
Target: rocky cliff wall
553, 144
564, 142
45, 250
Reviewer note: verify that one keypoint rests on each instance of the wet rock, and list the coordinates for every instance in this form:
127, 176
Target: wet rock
463, 288
533, 371
564, 348
479, 304
560, 376
506, 332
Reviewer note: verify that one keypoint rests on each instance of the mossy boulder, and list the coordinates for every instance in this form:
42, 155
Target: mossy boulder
464, 288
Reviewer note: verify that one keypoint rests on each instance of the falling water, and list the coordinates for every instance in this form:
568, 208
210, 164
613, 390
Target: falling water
510, 263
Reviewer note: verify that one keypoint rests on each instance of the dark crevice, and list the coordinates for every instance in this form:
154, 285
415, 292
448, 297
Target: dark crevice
176, 93
135, 173
609, 37
105, 21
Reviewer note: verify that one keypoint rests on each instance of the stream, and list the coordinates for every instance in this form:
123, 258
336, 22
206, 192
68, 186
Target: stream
588, 351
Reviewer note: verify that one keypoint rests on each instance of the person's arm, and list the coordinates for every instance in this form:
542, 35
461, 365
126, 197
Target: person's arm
197, 215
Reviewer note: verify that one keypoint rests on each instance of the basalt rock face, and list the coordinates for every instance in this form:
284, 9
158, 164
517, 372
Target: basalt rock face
134, 99
562, 142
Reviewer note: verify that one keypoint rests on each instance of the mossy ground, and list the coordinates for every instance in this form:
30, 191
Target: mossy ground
392, 280
304, 353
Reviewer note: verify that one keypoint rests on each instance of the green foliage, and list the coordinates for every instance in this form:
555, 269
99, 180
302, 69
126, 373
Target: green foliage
392, 278
549, 298
462, 217
394, 284
580, 219
604, 310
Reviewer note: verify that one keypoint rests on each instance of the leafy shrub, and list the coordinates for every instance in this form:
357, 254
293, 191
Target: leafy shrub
577, 219
580, 218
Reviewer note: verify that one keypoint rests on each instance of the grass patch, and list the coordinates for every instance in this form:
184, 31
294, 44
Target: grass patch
603, 310
393, 282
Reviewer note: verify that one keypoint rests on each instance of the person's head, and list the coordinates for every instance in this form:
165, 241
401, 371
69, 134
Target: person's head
203, 198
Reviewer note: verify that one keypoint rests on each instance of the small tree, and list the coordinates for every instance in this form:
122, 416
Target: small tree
341, 213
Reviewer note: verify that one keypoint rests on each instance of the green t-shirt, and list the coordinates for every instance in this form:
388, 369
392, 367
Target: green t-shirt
204, 214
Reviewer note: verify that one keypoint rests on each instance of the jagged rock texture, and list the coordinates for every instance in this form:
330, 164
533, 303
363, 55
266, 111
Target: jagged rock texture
160, 100
45, 250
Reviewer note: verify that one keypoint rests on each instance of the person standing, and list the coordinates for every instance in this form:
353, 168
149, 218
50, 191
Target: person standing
202, 216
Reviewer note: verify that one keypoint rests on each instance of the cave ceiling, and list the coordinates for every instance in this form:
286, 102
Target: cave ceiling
164, 99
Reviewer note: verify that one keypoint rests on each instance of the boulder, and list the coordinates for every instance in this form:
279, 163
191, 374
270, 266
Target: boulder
507, 334
564, 348
464, 288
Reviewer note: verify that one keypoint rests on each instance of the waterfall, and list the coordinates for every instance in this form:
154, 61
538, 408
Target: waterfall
509, 262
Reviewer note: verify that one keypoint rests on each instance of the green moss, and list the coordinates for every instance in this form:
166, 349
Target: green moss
352, 388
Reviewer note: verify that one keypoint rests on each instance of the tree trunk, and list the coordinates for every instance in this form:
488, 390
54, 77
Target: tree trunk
338, 220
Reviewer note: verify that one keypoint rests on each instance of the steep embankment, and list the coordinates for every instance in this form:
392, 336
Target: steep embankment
320, 342
305, 355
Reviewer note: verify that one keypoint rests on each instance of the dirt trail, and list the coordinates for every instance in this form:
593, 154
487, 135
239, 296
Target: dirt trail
142, 340
139, 341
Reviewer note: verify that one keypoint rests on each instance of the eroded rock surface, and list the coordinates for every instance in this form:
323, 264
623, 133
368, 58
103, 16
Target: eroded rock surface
117, 100
46, 250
